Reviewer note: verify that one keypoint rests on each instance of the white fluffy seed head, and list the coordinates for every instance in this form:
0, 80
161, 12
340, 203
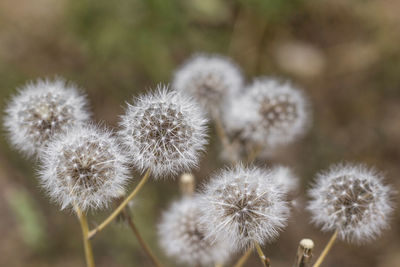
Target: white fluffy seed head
284, 177
183, 236
164, 131
42, 109
269, 112
209, 79
243, 206
353, 200
84, 167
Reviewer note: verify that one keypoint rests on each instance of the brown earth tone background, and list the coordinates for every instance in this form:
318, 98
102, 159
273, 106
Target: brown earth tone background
344, 54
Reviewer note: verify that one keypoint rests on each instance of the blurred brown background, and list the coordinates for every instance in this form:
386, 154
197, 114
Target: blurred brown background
345, 54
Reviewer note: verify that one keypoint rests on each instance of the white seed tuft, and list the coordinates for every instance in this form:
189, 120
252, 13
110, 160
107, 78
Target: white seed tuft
84, 167
269, 112
352, 200
164, 131
243, 206
42, 109
285, 178
209, 79
182, 236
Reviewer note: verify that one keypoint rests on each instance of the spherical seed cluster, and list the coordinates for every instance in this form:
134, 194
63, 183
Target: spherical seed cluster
269, 112
164, 131
352, 200
284, 177
182, 236
84, 167
42, 109
244, 205
209, 79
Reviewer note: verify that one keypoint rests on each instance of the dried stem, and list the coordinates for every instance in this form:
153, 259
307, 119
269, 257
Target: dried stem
223, 137
264, 260
140, 239
304, 253
86, 242
326, 250
120, 208
244, 258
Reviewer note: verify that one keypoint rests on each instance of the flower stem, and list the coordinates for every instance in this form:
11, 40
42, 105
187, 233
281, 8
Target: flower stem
86, 241
244, 258
140, 239
264, 260
223, 137
119, 209
326, 250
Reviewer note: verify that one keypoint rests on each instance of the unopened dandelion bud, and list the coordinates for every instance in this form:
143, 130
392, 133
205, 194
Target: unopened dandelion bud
187, 184
304, 253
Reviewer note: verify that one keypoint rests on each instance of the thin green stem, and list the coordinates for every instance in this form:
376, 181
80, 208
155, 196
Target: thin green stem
120, 208
243, 258
140, 239
264, 260
86, 242
326, 249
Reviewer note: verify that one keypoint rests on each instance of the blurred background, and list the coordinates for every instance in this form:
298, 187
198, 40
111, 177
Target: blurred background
344, 54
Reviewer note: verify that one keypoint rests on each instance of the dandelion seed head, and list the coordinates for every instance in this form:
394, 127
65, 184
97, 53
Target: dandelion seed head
243, 205
164, 131
182, 235
209, 79
284, 177
353, 200
84, 167
42, 109
269, 112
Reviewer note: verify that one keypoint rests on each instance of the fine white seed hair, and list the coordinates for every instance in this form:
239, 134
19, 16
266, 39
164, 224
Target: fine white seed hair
42, 109
84, 167
285, 177
164, 131
269, 112
244, 205
352, 200
210, 79
182, 236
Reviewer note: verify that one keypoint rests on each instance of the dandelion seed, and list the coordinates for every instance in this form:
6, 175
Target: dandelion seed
182, 235
84, 167
243, 206
209, 79
164, 131
42, 109
352, 200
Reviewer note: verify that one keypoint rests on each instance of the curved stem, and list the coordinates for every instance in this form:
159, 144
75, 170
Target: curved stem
140, 239
86, 243
119, 209
223, 137
264, 260
244, 258
326, 249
